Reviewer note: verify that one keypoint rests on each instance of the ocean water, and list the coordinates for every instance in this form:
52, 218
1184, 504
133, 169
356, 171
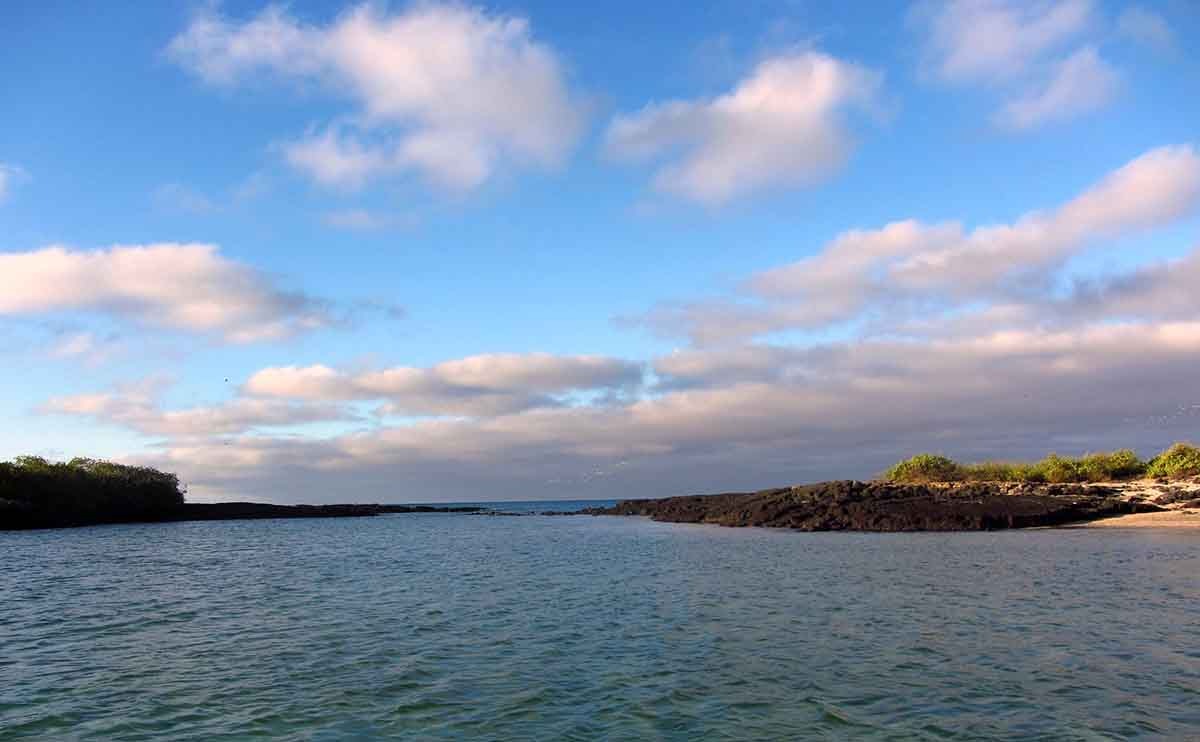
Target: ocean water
582, 628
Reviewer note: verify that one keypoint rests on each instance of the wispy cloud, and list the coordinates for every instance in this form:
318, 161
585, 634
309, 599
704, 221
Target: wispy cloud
1080, 83
997, 40
1147, 27
483, 385
1042, 56
137, 407
9, 175
186, 199
365, 220
178, 197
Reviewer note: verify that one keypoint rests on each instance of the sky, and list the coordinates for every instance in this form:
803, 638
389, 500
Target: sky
435, 252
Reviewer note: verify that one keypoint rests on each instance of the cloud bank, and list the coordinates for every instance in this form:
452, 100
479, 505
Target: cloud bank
965, 340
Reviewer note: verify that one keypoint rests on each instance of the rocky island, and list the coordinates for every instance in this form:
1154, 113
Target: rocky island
885, 506
933, 493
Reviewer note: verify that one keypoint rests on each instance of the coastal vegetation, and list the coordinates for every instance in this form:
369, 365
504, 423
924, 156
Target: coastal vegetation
1180, 460
37, 493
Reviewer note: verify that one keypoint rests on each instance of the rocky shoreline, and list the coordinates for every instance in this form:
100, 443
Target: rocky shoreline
883, 506
22, 519
257, 510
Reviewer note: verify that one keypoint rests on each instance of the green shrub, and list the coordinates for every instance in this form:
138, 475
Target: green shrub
1107, 467
1059, 470
925, 467
1096, 467
1180, 460
999, 471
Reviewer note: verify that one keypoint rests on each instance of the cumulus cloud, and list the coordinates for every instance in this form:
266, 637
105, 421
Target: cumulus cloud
188, 287
482, 385
447, 91
1144, 26
781, 125
943, 267
1080, 83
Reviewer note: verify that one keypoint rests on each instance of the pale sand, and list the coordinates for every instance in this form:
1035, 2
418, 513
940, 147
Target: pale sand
1176, 516
1167, 519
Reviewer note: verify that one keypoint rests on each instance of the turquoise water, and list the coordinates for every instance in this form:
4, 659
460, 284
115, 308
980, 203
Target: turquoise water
581, 628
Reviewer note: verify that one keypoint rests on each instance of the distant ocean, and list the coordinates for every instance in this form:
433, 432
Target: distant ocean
593, 628
535, 506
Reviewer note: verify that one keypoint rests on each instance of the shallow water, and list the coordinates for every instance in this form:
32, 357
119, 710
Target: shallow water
454, 627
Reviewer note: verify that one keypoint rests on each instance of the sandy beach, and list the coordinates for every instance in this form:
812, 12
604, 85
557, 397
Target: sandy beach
1189, 518
1178, 497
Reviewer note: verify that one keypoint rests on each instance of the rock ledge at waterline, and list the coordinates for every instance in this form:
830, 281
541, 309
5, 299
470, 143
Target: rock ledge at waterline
885, 506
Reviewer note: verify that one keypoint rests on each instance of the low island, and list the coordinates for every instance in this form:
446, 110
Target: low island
35, 493
934, 493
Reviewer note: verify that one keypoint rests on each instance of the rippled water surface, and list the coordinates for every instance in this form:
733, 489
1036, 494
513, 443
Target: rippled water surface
468, 627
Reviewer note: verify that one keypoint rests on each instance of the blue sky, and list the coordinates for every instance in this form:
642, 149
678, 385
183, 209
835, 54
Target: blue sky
534, 246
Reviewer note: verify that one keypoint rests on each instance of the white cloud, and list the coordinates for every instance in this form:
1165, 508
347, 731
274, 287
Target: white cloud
335, 159
1146, 27
1080, 83
996, 40
782, 125
177, 286
483, 385
444, 90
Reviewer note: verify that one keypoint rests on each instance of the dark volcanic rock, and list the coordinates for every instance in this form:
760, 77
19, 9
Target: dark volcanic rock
429, 509
255, 510
259, 510
881, 506
13, 518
